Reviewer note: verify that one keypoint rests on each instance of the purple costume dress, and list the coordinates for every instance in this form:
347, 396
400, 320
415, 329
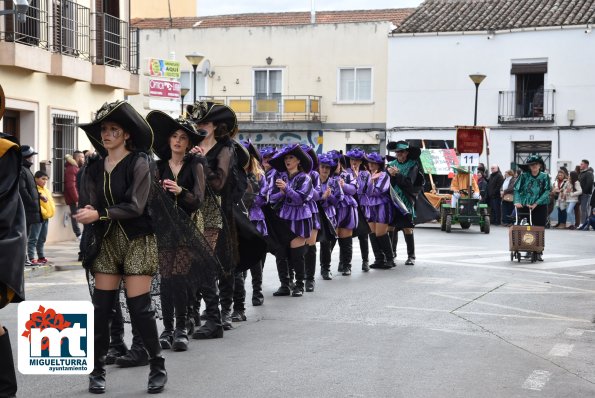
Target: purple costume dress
361, 185
260, 190
316, 194
347, 208
293, 205
329, 204
379, 207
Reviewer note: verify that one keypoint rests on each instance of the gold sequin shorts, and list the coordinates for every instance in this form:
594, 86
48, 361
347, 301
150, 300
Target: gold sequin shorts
120, 256
211, 212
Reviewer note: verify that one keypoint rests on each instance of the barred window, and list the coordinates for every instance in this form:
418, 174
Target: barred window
64, 143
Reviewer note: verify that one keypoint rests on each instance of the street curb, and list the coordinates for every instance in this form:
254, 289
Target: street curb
69, 266
38, 270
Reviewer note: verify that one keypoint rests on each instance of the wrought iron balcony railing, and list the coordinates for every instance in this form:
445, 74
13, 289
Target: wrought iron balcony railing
273, 108
71, 29
113, 41
526, 106
32, 32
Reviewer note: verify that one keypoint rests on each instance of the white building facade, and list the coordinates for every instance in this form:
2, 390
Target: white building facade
538, 95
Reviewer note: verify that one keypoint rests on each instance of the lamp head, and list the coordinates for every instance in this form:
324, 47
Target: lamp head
477, 78
194, 58
21, 7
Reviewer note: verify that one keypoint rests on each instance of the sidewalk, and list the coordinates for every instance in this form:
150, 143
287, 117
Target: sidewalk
61, 256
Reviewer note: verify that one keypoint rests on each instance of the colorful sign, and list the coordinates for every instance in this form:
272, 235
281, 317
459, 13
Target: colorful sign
438, 161
470, 139
163, 68
165, 88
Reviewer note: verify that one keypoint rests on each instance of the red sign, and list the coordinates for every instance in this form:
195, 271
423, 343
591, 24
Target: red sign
470, 139
164, 88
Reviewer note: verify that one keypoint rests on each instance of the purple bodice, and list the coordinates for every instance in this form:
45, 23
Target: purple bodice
294, 201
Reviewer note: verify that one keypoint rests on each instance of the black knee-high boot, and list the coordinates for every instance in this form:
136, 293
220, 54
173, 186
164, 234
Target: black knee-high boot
226, 284
283, 272
310, 261
410, 249
385, 246
256, 274
363, 245
394, 239
180, 341
211, 328
346, 254
103, 305
325, 260
379, 260
117, 346
193, 309
167, 309
239, 297
8, 377
142, 316
297, 261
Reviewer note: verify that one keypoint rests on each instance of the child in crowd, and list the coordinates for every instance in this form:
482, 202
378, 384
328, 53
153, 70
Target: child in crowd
39, 231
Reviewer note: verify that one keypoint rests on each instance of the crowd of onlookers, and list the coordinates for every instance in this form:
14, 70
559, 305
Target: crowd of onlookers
39, 204
572, 201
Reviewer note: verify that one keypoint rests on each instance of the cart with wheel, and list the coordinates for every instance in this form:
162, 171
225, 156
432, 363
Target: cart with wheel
468, 211
525, 238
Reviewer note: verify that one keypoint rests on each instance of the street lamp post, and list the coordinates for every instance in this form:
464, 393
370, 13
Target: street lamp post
194, 60
477, 79
183, 93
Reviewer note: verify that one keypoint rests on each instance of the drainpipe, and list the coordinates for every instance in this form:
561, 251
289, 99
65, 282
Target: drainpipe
312, 13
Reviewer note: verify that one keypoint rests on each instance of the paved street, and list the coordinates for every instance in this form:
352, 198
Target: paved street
463, 322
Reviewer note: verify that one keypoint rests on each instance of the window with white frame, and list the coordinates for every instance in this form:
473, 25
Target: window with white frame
64, 141
355, 85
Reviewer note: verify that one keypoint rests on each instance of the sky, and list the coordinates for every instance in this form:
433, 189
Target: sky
221, 7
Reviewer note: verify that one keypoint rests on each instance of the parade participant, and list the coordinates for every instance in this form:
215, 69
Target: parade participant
255, 198
331, 195
310, 257
292, 192
181, 175
532, 192
13, 242
407, 184
118, 187
220, 123
460, 186
379, 207
347, 211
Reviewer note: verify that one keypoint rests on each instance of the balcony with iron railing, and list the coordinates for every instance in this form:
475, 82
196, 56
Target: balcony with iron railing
71, 29
526, 106
273, 108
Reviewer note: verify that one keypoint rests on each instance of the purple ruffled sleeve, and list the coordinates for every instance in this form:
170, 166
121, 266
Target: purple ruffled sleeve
380, 186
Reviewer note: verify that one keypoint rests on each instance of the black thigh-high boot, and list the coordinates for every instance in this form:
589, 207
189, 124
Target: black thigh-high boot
239, 297
283, 272
363, 246
256, 274
310, 263
226, 283
394, 239
385, 246
346, 254
410, 249
180, 293
166, 292
212, 327
297, 261
193, 310
136, 355
103, 305
325, 260
117, 346
379, 260
142, 316
8, 377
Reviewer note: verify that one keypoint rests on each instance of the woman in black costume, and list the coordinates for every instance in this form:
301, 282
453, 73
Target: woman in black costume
118, 187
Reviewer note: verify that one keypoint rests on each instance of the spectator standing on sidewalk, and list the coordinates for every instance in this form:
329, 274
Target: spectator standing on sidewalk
71, 192
39, 231
494, 186
507, 194
28, 190
13, 241
569, 197
586, 180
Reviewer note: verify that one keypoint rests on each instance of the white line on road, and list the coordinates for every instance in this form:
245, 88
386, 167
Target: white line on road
561, 350
475, 253
506, 258
574, 332
537, 380
562, 264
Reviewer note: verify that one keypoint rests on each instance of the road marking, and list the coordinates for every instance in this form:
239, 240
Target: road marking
561, 350
507, 307
506, 258
574, 332
562, 264
537, 380
545, 318
475, 254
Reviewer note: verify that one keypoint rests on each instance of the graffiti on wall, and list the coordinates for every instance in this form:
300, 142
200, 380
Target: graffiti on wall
312, 138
